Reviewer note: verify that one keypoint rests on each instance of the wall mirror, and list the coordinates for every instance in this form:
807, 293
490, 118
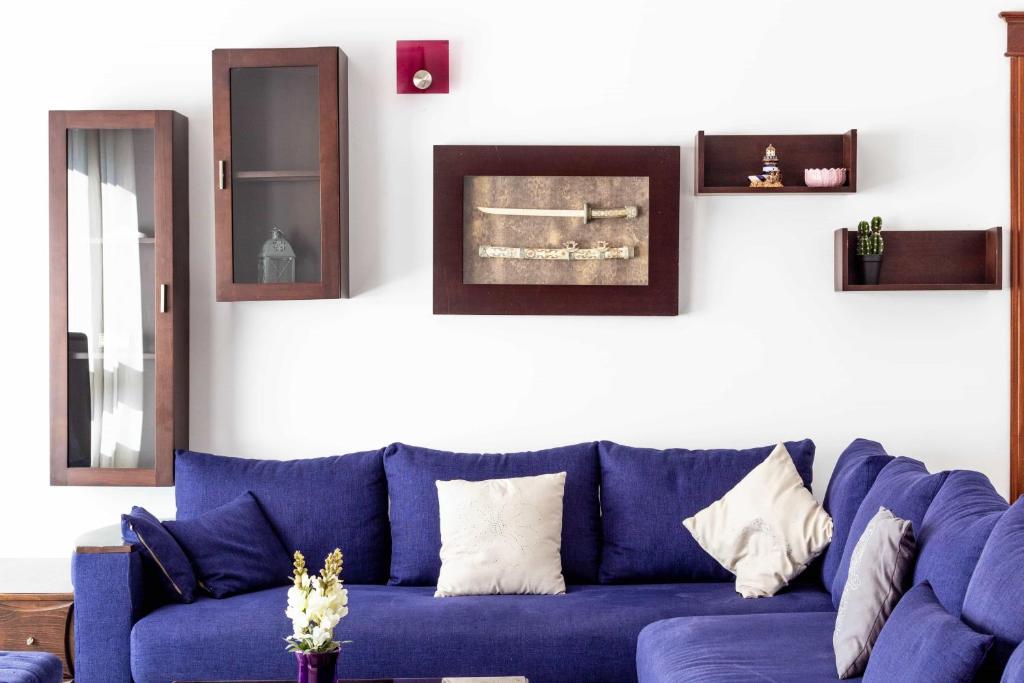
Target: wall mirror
118, 296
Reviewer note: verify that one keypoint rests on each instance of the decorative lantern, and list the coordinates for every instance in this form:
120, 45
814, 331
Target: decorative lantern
277, 259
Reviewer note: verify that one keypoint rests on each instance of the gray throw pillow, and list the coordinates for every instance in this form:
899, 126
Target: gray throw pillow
879, 570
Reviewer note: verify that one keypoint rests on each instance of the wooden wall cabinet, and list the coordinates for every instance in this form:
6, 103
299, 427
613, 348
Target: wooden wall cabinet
280, 141
118, 296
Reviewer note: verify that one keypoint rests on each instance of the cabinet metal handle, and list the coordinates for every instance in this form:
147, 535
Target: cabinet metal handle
30, 641
222, 177
163, 298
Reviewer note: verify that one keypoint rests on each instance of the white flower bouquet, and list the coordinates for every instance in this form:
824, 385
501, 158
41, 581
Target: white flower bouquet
315, 605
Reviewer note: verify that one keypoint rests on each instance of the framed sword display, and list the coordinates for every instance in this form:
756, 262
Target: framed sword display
556, 230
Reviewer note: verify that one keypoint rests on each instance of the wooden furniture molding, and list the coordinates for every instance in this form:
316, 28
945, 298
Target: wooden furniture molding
1015, 51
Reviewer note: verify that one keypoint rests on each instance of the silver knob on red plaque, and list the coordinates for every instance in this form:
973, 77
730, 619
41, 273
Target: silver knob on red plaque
422, 79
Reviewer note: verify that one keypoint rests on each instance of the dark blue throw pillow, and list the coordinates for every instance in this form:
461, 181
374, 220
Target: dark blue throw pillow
158, 546
233, 548
922, 643
647, 493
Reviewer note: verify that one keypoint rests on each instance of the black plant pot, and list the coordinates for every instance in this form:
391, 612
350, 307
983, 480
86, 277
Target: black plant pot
871, 267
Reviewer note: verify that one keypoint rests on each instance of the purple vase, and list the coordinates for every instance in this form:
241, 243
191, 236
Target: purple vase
317, 667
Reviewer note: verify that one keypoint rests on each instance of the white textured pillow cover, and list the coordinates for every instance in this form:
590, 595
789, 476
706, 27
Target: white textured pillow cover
501, 536
766, 529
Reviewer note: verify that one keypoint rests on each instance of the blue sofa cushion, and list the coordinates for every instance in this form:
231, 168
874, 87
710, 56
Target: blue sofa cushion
852, 477
588, 634
160, 548
953, 534
992, 603
233, 548
315, 505
774, 648
30, 667
922, 643
905, 488
646, 494
415, 520
1014, 672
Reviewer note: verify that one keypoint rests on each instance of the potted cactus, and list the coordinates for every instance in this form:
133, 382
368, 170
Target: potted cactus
870, 246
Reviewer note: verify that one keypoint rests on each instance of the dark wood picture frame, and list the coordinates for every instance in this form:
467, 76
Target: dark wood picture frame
452, 163
332, 67
170, 208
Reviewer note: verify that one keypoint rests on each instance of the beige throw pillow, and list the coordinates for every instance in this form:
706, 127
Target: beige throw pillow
501, 536
766, 529
879, 569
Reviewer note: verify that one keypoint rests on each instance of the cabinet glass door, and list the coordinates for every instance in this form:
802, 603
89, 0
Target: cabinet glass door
110, 298
275, 175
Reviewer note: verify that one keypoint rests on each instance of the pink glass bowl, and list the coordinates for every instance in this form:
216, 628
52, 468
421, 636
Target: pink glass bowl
824, 177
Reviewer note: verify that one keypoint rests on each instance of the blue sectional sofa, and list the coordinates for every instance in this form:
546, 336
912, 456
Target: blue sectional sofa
644, 601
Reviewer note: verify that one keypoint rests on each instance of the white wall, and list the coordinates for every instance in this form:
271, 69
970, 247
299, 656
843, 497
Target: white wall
764, 349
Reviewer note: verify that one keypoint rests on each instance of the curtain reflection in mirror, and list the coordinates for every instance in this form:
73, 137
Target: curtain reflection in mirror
106, 383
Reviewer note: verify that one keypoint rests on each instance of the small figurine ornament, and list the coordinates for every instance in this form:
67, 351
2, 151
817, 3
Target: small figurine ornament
770, 175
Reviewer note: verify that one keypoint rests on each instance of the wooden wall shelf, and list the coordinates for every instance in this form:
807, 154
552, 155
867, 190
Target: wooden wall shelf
723, 162
925, 259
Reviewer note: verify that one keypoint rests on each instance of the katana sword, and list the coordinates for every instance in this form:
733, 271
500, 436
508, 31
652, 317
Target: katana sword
569, 252
587, 213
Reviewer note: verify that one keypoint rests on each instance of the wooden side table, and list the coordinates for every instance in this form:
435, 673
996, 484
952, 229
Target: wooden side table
37, 608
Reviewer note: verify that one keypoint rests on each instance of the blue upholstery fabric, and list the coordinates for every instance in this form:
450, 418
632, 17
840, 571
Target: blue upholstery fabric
108, 600
160, 548
953, 533
855, 472
588, 634
233, 548
923, 643
904, 487
347, 493
1014, 672
993, 604
768, 648
647, 493
30, 667
415, 520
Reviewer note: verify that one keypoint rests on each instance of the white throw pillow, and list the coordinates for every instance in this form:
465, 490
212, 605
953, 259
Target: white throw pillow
501, 536
766, 529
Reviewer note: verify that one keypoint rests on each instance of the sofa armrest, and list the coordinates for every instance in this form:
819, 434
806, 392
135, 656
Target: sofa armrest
109, 599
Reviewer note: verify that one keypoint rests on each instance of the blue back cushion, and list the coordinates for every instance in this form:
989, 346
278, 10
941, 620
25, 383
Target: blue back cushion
233, 548
647, 493
1014, 672
993, 600
415, 519
854, 473
953, 534
921, 643
314, 505
905, 488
